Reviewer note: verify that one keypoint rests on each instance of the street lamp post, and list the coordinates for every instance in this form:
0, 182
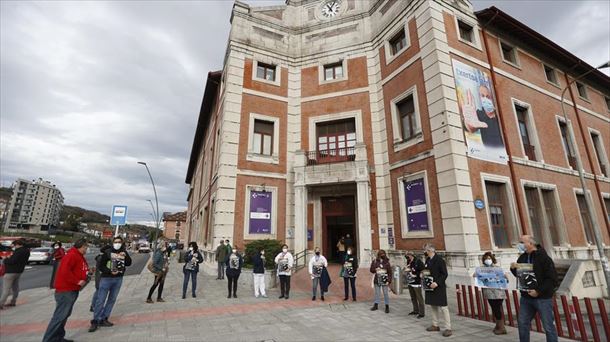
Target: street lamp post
155, 214
156, 202
590, 209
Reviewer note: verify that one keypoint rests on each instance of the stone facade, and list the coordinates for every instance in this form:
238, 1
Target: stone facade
379, 53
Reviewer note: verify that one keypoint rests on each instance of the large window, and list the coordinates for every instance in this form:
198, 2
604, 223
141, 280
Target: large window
336, 138
408, 122
263, 137
398, 42
265, 71
522, 120
567, 146
544, 215
500, 214
585, 218
600, 152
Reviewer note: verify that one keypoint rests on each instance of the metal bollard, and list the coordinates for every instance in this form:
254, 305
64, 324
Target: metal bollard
397, 282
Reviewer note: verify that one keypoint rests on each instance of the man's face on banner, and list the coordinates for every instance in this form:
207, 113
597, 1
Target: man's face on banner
486, 100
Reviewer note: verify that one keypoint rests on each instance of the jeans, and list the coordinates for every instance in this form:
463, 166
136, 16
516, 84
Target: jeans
315, 284
232, 283
63, 309
386, 296
159, 281
417, 300
185, 284
285, 285
10, 284
55, 267
259, 284
496, 308
221, 270
527, 311
347, 281
106, 297
436, 311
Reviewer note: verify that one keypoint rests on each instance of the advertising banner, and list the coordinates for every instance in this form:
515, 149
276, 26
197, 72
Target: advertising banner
492, 277
417, 210
479, 115
260, 212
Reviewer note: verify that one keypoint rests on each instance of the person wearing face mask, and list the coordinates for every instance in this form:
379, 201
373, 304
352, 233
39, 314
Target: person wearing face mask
316, 265
348, 272
112, 268
233, 271
484, 119
160, 266
97, 275
192, 259
58, 254
72, 276
284, 262
221, 256
382, 271
494, 297
414, 268
539, 298
433, 277
258, 259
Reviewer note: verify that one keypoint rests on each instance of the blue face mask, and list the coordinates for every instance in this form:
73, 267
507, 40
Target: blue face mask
488, 105
521, 247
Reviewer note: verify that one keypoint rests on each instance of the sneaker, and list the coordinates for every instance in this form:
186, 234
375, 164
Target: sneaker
433, 328
160, 300
149, 301
447, 333
105, 323
93, 326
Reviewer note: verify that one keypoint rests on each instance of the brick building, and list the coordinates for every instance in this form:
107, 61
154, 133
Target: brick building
400, 123
174, 226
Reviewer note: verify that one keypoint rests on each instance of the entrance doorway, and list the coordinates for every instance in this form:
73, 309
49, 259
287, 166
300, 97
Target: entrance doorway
338, 220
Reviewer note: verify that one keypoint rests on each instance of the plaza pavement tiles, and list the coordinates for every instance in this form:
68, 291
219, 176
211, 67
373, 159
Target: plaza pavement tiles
213, 317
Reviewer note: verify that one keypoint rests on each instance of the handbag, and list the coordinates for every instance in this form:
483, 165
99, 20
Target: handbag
150, 267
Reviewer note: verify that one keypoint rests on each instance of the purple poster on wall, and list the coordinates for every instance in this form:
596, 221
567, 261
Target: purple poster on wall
260, 212
417, 211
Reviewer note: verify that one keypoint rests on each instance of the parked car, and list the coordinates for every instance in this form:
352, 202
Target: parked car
41, 255
5, 251
144, 248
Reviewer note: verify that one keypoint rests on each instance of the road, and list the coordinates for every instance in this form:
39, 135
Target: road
36, 276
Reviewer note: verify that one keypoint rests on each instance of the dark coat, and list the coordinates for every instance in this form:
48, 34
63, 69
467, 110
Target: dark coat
324, 280
350, 258
385, 263
234, 272
544, 269
188, 257
106, 263
16, 262
438, 270
259, 264
158, 261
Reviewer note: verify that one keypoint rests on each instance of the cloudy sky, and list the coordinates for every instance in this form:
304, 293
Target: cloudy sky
87, 89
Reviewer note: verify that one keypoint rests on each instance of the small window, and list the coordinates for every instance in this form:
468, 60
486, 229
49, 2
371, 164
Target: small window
582, 90
586, 219
598, 147
466, 31
567, 146
550, 74
333, 71
398, 42
406, 111
509, 53
265, 71
263, 137
607, 103
528, 146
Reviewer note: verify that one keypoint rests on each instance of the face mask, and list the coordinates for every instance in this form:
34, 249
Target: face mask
117, 245
262, 252
349, 252
191, 249
488, 105
163, 249
56, 247
425, 253
235, 251
382, 256
285, 250
521, 247
318, 253
488, 262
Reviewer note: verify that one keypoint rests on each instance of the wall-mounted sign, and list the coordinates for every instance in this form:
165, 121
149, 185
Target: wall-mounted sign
417, 209
479, 204
309, 234
119, 215
391, 236
260, 212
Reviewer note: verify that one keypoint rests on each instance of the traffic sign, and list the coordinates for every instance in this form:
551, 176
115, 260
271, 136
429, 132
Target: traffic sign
119, 215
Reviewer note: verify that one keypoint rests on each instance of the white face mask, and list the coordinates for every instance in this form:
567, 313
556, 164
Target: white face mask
262, 252
117, 245
190, 248
285, 250
349, 252
235, 251
488, 262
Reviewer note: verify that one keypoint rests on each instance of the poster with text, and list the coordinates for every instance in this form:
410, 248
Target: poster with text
417, 210
260, 212
479, 114
491, 277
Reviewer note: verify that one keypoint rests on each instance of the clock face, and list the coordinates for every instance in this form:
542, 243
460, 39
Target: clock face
330, 8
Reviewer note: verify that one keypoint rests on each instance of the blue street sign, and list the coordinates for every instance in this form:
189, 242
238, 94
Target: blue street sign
119, 215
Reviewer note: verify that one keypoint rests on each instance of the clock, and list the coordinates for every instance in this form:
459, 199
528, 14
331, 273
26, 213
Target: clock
330, 8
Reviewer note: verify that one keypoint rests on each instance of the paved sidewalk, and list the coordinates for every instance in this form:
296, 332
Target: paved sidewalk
213, 317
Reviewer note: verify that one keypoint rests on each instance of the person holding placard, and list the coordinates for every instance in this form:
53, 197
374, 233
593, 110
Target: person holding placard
433, 282
382, 271
495, 296
284, 261
316, 265
413, 270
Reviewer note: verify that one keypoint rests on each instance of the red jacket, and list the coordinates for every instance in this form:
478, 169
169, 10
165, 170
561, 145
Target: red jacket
59, 253
71, 271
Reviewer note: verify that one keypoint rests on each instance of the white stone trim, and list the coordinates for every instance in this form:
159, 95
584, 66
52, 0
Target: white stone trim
399, 142
274, 206
403, 25
531, 131
265, 95
278, 72
334, 94
512, 210
322, 71
404, 233
274, 158
475, 31
355, 114
265, 174
602, 151
517, 63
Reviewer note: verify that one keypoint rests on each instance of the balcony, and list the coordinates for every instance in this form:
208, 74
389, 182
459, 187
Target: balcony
529, 152
331, 156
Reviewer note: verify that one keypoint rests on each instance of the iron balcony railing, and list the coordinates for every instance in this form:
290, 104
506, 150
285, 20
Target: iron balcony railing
337, 155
